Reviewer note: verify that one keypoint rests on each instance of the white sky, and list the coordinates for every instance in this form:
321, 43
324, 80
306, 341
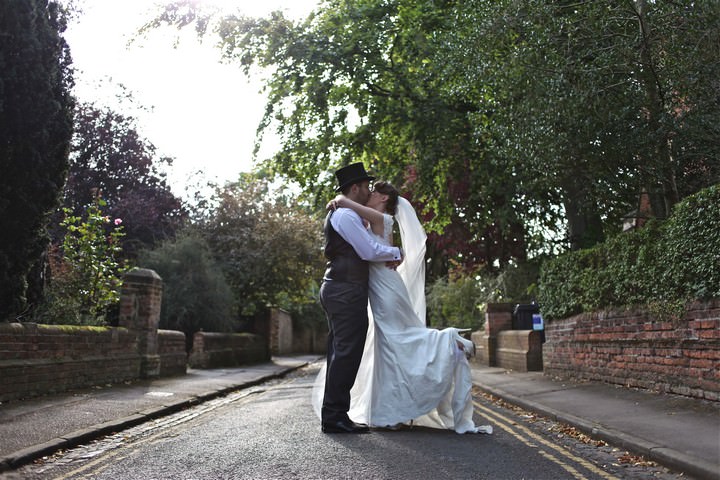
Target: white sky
195, 109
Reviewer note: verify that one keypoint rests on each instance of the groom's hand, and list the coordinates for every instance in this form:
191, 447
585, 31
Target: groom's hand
393, 264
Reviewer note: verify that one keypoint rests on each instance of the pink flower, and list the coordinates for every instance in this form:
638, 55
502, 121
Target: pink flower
118, 221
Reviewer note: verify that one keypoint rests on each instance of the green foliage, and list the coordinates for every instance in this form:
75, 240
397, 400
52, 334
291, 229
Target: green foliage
692, 247
305, 310
35, 130
460, 298
267, 247
308, 315
517, 283
516, 128
455, 302
662, 264
86, 281
588, 104
357, 81
196, 295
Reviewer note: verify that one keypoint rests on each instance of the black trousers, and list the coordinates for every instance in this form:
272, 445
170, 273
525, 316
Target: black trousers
345, 306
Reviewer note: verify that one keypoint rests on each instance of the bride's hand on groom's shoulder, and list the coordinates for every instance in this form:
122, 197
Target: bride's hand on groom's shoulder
334, 204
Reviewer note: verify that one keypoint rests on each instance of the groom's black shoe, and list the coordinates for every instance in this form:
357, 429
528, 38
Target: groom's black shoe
344, 426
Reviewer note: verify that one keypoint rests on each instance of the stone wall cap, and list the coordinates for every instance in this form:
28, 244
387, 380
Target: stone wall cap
144, 275
14, 327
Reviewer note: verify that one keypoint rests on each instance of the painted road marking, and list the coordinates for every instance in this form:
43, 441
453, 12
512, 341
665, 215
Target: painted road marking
514, 429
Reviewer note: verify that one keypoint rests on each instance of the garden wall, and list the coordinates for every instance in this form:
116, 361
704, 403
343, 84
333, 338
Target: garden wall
287, 335
281, 332
309, 340
637, 349
38, 359
215, 350
173, 357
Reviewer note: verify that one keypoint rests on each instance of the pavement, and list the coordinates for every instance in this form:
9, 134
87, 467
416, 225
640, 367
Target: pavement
680, 433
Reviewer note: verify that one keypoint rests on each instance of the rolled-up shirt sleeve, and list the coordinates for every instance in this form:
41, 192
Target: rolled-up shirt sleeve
349, 226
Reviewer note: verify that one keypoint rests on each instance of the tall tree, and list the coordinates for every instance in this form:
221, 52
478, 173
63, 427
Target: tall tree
35, 130
110, 159
355, 81
592, 101
196, 295
516, 126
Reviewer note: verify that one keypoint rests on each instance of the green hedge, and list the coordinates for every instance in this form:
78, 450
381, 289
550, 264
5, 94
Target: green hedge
664, 263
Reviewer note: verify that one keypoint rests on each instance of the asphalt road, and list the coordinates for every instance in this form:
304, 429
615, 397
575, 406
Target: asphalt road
270, 432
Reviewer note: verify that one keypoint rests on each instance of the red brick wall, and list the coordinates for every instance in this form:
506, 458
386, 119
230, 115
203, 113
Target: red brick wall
171, 348
214, 350
38, 359
635, 349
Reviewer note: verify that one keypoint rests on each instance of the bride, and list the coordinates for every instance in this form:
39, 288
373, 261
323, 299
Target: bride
409, 374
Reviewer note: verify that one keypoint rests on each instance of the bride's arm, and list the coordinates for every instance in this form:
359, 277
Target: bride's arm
374, 217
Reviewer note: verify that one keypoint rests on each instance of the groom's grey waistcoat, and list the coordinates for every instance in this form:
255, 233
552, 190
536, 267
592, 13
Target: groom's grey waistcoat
343, 264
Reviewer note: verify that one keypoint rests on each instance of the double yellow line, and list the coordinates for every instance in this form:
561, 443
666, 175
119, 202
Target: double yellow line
533, 440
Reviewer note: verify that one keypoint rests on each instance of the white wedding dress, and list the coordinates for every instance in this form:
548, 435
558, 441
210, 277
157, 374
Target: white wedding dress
409, 374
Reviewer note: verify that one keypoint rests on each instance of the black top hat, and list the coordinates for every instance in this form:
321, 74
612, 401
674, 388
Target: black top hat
353, 173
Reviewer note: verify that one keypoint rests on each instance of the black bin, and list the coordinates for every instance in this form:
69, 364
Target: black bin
527, 317
522, 318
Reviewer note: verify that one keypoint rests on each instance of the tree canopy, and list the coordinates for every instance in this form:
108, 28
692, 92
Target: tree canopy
267, 247
515, 127
110, 159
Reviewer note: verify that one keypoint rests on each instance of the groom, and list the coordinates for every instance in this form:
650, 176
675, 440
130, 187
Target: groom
344, 297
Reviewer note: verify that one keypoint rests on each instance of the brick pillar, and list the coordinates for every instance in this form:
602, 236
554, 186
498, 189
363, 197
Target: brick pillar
140, 300
498, 317
281, 332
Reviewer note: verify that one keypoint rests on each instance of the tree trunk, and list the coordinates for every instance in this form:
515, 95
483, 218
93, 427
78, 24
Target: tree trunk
584, 222
662, 165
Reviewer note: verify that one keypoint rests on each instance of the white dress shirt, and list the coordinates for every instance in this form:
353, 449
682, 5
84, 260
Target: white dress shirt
348, 224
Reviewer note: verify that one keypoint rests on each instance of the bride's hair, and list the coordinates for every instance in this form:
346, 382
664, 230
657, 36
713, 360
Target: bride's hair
388, 189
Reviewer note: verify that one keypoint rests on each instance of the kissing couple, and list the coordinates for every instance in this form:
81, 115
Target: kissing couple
393, 370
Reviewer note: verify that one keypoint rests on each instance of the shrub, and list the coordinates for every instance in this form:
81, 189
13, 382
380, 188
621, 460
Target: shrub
692, 247
662, 264
459, 300
86, 273
455, 301
196, 295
